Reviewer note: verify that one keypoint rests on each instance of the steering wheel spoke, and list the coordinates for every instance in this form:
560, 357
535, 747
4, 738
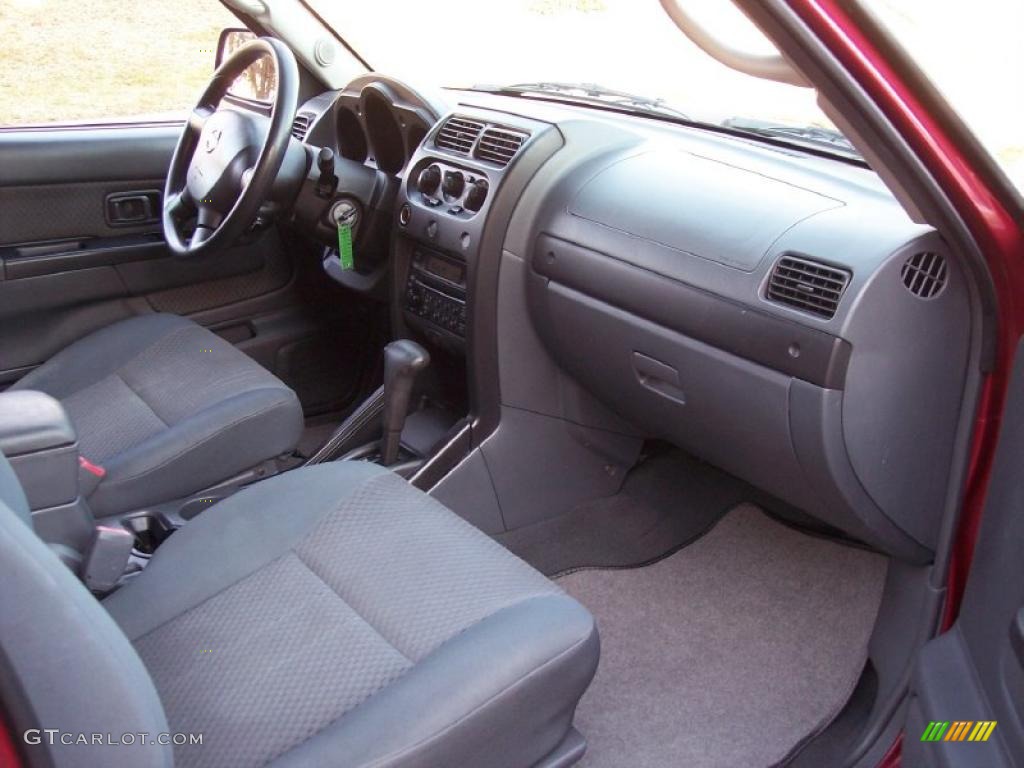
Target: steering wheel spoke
200, 236
209, 218
198, 116
179, 205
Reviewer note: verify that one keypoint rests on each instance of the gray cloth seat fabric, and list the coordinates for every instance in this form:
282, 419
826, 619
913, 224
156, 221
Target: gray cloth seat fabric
336, 616
63, 662
167, 408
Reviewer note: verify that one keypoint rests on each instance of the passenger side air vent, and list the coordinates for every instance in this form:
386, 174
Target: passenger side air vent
458, 134
807, 285
499, 145
924, 274
301, 125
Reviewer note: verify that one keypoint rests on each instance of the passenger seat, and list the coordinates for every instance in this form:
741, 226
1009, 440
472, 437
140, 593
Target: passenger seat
330, 616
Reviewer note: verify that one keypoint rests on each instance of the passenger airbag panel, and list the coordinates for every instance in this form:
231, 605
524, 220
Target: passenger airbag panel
684, 198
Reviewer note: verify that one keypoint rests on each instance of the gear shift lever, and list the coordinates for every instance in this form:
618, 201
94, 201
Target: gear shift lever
403, 360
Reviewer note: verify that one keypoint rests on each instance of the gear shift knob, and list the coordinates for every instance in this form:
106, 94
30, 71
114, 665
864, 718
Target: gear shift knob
403, 361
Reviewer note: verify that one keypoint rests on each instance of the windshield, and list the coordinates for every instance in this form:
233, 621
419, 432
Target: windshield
597, 46
975, 58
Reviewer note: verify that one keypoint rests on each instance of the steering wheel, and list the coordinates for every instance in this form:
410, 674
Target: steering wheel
226, 161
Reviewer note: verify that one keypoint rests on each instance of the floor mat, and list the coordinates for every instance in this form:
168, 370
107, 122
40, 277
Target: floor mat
730, 651
667, 501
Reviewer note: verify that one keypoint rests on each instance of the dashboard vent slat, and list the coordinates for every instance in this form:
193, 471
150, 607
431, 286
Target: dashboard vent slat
924, 274
458, 134
807, 285
300, 127
499, 145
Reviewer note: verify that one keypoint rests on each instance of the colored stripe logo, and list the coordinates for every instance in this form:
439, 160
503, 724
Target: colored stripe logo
958, 730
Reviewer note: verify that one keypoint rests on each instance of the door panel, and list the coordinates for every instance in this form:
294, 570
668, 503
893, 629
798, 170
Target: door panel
43, 156
67, 269
64, 210
67, 264
974, 674
54, 183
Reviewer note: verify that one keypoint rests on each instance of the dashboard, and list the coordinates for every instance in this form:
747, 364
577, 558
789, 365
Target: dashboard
773, 312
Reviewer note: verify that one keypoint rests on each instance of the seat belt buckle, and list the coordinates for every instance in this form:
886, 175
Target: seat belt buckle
108, 558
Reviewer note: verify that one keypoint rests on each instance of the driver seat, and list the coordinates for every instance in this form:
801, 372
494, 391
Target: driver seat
166, 408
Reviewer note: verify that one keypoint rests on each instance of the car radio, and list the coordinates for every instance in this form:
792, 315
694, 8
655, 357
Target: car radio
435, 290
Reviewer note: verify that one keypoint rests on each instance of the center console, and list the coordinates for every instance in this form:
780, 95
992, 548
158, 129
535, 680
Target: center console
445, 202
39, 441
454, 204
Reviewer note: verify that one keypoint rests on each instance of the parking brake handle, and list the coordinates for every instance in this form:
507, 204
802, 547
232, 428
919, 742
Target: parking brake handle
403, 361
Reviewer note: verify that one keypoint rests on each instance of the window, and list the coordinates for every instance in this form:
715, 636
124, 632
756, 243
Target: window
972, 53
259, 81
87, 61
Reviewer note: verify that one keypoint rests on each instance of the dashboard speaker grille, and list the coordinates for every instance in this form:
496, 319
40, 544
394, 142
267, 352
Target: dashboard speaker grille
301, 125
807, 285
458, 134
499, 145
924, 274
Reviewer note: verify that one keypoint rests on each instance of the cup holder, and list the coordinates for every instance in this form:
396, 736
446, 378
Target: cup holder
150, 532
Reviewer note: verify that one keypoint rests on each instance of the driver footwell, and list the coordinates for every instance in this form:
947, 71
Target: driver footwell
729, 652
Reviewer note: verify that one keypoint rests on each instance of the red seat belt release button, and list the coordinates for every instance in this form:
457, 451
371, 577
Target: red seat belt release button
88, 466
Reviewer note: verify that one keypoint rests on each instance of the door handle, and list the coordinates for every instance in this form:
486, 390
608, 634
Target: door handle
133, 209
658, 377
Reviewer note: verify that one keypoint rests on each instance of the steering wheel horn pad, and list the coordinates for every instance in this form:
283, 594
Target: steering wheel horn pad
228, 146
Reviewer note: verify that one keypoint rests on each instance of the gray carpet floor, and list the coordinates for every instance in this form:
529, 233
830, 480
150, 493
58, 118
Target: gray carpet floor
728, 652
667, 501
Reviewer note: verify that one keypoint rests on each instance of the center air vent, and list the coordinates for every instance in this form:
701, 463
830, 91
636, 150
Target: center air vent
924, 274
458, 134
499, 145
807, 285
301, 125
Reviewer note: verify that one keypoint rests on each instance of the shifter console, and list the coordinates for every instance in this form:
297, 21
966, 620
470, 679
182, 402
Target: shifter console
435, 292
403, 361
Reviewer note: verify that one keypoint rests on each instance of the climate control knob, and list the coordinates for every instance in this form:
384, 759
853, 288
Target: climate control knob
429, 180
454, 183
476, 195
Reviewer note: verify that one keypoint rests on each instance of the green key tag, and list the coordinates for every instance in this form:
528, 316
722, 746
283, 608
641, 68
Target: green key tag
346, 256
